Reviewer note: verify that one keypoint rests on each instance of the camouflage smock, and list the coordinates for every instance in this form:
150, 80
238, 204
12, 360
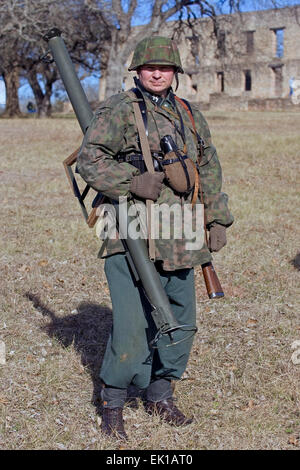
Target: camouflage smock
113, 130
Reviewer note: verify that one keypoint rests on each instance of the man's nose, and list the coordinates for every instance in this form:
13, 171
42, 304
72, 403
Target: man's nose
156, 73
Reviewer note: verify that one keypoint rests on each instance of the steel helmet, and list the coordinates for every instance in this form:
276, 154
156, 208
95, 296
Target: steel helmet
156, 50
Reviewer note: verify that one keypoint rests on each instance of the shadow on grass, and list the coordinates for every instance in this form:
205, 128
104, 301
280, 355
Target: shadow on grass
296, 262
88, 330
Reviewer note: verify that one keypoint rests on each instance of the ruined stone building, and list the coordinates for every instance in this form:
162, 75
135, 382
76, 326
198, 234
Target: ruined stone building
251, 63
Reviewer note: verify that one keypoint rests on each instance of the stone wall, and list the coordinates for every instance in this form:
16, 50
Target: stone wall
253, 59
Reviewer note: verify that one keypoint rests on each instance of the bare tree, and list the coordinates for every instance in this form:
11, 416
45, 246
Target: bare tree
22, 26
9, 63
10, 74
99, 35
118, 16
19, 25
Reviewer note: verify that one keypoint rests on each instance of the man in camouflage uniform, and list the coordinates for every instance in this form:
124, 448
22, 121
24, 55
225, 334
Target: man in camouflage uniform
110, 162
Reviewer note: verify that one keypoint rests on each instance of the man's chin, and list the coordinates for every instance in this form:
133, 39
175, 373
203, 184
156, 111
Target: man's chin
157, 90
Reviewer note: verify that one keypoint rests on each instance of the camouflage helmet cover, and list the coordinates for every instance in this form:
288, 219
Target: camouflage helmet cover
156, 50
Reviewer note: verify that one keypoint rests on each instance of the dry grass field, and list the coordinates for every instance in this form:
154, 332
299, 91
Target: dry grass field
242, 382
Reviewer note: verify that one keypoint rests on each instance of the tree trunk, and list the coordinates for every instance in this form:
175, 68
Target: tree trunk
11, 80
114, 74
102, 86
120, 48
42, 99
46, 107
36, 89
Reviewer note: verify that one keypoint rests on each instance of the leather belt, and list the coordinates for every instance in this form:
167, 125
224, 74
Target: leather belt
137, 160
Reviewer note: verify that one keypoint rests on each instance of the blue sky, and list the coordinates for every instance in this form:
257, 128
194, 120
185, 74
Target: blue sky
245, 5
2, 93
25, 90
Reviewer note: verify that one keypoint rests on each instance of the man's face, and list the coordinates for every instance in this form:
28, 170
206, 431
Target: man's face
156, 78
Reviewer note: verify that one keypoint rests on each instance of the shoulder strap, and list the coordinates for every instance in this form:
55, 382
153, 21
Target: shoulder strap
149, 165
142, 106
186, 105
140, 124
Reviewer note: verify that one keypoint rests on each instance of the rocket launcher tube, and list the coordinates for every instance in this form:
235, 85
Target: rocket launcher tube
162, 314
69, 77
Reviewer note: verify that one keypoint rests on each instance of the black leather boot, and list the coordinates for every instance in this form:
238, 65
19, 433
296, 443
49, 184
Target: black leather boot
167, 411
112, 423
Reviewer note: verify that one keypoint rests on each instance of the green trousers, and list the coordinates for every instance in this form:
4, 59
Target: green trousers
128, 358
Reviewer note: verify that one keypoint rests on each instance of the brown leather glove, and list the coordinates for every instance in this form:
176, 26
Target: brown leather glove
217, 237
148, 185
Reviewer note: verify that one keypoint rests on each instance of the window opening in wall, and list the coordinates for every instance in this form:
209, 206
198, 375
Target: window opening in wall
221, 82
278, 80
221, 44
250, 41
248, 80
195, 48
279, 34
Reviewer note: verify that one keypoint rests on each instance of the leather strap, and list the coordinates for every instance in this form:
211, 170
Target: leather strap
197, 176
142, 106
196, 187
187, 107
150, 167
169, 161
188, 110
